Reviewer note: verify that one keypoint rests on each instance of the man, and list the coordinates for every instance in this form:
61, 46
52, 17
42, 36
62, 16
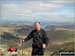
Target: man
40, 40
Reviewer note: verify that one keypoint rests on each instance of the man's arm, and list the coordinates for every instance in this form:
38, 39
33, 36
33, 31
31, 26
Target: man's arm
46, 40
27, 38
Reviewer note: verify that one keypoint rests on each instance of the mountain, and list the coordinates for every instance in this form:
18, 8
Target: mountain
60, 39
54, 26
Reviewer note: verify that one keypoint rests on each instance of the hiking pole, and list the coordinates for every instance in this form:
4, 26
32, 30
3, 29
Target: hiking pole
21, 45
21, 41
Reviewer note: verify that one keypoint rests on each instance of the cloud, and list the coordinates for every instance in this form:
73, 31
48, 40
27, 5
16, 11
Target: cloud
13, 8
14, 11
63, 1
37, 6
56, 18
26, 11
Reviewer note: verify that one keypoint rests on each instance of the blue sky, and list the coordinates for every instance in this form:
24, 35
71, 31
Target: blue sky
51, 11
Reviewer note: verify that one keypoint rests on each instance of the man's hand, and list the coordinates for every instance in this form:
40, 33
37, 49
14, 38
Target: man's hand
21, 41
44, 45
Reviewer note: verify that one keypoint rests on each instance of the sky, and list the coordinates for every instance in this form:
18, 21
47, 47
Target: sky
37, 10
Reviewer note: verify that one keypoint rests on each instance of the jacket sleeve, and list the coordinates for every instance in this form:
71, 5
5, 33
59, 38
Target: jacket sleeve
28, 37
45, 39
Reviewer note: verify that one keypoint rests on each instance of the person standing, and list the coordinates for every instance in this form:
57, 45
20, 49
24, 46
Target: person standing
40, 40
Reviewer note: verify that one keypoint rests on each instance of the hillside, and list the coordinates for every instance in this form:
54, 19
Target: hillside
60, 39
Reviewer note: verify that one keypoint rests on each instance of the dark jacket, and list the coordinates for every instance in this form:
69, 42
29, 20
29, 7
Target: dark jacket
38, 37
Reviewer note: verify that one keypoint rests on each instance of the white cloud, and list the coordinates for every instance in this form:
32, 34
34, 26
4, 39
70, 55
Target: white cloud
56, 18
63, 1
41, 6
13, 11
25, 11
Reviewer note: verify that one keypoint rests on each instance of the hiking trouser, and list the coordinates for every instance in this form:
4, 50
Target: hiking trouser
37, 51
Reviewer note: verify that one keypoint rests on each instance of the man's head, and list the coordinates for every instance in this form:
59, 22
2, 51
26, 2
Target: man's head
37, 26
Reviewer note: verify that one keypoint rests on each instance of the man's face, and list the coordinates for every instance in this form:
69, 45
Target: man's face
37, 26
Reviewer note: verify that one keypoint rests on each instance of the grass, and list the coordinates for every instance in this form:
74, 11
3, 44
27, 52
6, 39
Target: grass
59, 40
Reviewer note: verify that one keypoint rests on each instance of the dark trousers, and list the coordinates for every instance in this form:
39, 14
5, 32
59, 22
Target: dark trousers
37, 51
